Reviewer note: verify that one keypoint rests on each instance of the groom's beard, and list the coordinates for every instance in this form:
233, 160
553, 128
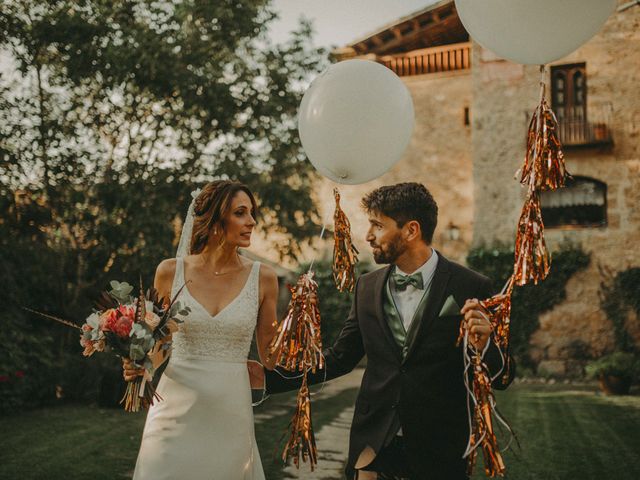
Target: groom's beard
390, 252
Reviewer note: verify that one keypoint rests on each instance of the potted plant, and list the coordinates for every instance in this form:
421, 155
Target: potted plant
600, 131
615, 372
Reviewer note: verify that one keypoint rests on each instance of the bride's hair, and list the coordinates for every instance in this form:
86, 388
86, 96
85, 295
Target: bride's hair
210, 208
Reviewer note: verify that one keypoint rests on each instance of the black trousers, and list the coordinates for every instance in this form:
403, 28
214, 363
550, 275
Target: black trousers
391, 461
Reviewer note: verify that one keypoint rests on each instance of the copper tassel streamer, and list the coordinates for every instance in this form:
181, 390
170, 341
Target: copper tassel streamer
302, 443
543, 170
499, 308
345, 254
483, 434
298, 336
532, 259
544, 167
299, 343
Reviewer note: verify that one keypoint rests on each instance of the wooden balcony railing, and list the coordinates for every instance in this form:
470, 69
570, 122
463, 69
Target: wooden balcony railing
429, 60
580, 127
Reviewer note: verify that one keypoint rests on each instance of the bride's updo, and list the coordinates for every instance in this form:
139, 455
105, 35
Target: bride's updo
210, 208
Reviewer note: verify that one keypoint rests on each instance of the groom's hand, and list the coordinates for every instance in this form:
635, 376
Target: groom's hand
256, 374
478, 325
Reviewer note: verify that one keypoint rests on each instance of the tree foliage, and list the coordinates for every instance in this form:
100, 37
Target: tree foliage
111, 112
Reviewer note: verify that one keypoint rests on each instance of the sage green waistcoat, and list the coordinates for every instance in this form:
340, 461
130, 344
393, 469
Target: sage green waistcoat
401, 336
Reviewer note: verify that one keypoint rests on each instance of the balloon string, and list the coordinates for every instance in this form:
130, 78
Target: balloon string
324, 229
542, 83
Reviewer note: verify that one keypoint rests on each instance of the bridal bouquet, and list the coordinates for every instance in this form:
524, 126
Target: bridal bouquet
131, 327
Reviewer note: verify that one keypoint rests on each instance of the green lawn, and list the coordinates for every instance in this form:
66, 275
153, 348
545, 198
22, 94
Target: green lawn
565, 433
73, 442
569, 433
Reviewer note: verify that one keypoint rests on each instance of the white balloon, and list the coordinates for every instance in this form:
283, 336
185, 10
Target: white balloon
533, 31
355, 121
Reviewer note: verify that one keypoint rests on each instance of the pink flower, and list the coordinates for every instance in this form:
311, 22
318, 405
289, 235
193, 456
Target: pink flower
4, 378
152, 320
20, 374
120, 320
108, 316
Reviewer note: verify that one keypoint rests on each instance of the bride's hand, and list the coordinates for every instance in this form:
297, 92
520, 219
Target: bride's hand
130, 370
256, 374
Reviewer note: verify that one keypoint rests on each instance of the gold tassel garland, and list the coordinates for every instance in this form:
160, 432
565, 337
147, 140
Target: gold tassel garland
544, 167
299, 343
543, 170
532, 259
499, 308
483, 433
345, 254
302, 443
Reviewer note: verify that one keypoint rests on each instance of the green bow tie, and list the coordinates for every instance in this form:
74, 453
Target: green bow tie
402, 281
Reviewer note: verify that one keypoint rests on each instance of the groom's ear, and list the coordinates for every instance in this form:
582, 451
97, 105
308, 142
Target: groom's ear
413, 230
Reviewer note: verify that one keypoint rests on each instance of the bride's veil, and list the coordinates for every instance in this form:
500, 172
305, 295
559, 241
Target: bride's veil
184, 246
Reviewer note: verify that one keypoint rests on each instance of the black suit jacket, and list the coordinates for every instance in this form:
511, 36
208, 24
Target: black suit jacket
425, 391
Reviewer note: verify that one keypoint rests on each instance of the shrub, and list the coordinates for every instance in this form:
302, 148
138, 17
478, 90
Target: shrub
530, 301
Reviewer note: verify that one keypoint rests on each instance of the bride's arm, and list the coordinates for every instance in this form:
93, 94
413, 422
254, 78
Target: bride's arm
162, 283
267, 317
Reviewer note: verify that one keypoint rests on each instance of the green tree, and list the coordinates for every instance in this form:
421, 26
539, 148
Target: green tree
112, 112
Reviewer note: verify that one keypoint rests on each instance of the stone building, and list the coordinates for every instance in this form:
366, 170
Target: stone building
472, 112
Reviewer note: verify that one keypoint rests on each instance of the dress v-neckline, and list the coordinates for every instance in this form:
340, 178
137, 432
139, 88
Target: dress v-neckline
212, 316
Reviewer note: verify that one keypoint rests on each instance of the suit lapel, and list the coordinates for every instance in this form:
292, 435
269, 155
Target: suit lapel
379, 294
434, 301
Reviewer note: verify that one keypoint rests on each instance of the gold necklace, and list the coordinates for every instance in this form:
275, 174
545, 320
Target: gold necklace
219, 273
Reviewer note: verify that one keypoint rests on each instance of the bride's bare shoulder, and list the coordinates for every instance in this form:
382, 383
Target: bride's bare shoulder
166, 270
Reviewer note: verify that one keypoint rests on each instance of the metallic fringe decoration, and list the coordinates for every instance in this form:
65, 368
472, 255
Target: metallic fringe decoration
483, 434
532, 259
543, 170
543, 167
499, 307
299, 342
302, 442
298, 335
345, 254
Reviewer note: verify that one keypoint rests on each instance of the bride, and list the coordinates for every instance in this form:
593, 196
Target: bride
203, 426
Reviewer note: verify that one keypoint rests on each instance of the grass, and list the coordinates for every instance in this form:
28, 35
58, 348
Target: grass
565, 432
568, 432
74, 442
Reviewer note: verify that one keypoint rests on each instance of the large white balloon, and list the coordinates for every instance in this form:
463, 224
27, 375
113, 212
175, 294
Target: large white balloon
533, 31
355, 121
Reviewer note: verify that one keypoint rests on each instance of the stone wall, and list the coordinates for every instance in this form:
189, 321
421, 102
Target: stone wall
502, 92
439, 156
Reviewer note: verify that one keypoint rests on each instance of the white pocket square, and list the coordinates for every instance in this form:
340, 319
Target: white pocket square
450, 307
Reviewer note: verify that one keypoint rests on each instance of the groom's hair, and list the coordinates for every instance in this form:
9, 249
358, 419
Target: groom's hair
405, 202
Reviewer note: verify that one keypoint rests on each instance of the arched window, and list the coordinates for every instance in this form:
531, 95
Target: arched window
578, 88
559, 89
581, 203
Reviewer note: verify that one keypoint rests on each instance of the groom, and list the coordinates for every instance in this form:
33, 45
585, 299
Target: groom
411, 417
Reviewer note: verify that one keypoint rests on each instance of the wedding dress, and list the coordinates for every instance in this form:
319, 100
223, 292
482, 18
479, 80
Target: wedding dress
203, 428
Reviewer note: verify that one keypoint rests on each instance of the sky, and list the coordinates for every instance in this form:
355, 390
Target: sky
339, 22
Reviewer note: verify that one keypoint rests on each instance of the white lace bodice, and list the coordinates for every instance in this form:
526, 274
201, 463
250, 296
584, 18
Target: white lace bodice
226, 336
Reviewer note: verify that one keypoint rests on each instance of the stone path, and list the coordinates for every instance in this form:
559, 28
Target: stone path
332, 439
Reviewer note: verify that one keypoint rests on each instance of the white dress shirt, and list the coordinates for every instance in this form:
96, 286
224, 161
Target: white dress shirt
408, 300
